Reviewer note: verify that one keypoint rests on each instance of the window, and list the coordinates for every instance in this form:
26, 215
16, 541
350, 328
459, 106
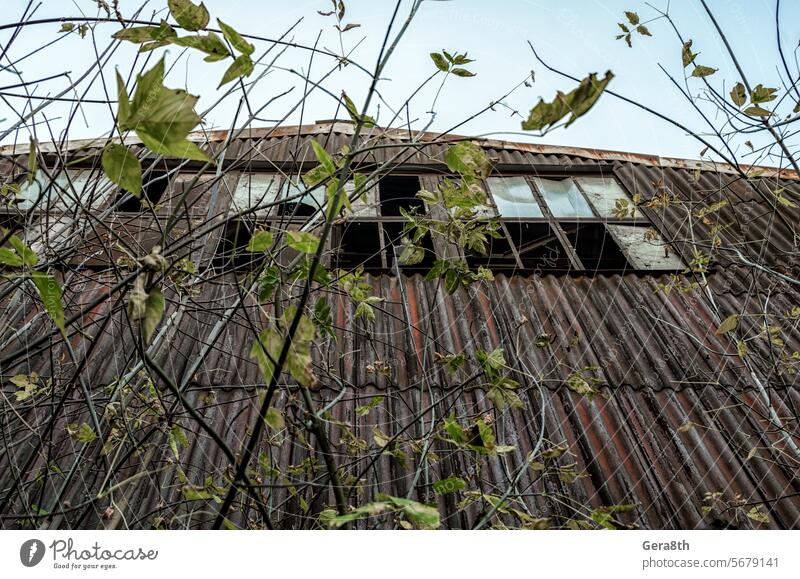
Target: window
399, 191
154, 184
513, 197
358, 243
605, 195
563, 198
65, 191
255, 190
645, 248
596, 249
300, 202
585, 223
555, 224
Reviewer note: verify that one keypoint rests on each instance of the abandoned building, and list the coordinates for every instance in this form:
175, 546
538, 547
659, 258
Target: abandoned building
612, 274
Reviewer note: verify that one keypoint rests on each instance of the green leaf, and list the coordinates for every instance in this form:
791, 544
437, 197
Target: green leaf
302, 241
123, 168
440, 61
422, 516
82, 433
738, 94
324, 158
260, 242
236, 39
210, 44
577, 102
153, 312
632, 17
184, 149
449, 485
728, 325
33, 160
322, 318
762, 94
642, 29
123, 104
265, 351
701, 71
274, 419
365, 409
467, 159
50, 294
366, 120
161, 34
67, 27
161, 117
757, 514
462, 72
188, 15
20, 255
687, 56
242, 66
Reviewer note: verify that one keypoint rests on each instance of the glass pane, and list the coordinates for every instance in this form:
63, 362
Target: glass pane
65, 191
255, 189
563, 198
315, 199
645, 248
513, 197
603, 194
367, 206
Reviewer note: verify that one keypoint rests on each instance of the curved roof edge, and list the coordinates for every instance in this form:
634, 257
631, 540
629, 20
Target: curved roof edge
347, 127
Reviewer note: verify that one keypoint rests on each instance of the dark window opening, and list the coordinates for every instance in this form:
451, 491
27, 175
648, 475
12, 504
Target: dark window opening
398, 192
232, 251
154, 184
538, 247
358, 244
296, 210
595, 247
499, 256
393, 237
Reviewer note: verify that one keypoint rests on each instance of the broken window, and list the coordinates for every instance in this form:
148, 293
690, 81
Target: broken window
300, 201
596, 249
358, 243
65, 192
645, 247
255, 190
513, 197
563, 198
395, 243
399, 191
154, 184
608, 198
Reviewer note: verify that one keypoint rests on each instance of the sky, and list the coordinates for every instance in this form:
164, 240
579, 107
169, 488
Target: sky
575, 36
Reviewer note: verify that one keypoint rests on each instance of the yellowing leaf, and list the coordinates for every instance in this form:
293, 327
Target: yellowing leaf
577, 102
728, 324
274, 419
738, 94
188, 15
154, 311
236, 39
701, 71
260, 242
440, 61
302, 241
686, 54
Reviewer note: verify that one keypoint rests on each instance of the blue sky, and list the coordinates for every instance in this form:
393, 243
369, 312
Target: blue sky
577, 36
